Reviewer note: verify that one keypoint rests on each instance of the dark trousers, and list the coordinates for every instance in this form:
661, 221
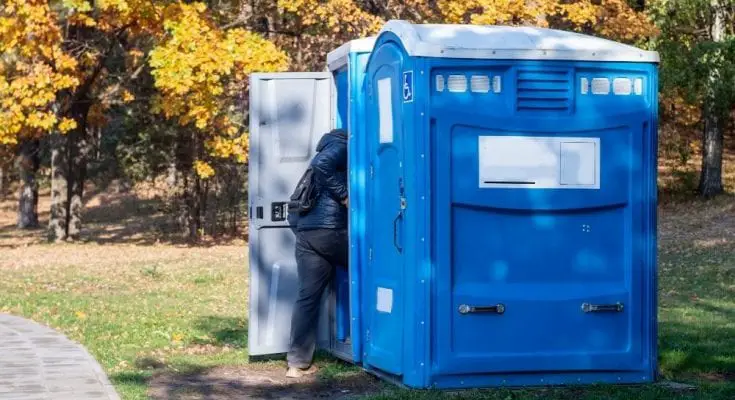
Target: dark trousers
318, 253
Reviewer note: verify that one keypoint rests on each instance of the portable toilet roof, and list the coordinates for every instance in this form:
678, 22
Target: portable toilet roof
505, 42
338, 57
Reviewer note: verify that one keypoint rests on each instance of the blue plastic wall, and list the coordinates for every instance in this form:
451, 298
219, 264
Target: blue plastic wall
540, 252
341, 280
350, 115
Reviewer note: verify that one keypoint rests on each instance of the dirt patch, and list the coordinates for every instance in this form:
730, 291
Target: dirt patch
259, 383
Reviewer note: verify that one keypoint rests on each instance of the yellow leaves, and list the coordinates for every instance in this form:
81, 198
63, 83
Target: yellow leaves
611, 18
177, 338
203, 170
200, 70
127, 97
67, 125
77, 5
80, 315
335, 16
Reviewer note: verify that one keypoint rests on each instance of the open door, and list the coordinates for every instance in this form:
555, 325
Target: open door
289, 112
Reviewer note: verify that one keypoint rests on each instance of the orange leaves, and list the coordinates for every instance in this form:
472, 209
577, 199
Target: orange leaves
619, 21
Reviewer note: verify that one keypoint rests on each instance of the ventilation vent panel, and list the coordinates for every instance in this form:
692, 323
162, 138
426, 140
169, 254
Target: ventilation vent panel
544, 90
440, 83
457, 83
480, 83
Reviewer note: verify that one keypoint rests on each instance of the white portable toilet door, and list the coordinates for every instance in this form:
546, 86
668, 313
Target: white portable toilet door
289, 113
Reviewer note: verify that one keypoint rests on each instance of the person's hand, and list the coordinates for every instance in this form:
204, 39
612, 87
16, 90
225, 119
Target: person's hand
346, 202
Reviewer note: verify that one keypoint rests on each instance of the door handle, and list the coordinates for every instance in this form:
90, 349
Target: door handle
496, 309
588, 308
395, 231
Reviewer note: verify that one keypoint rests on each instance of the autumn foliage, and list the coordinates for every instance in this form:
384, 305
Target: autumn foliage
69, 68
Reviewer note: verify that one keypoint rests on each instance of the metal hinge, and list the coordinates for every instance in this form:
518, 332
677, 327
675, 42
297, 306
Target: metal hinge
372, 171
370, 254
367, 335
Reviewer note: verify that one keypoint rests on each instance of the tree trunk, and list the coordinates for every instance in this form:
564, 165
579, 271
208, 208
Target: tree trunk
2, 182
58, 219
28, 163
710, 181
78, 171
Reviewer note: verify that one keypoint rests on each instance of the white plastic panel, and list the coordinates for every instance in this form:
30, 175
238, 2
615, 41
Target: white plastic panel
622, 86
480, 83
523, 162
337, 58
289, 112
638, 86
440, 83
385, 110
457, 83
600, 86
578, 163
497, 84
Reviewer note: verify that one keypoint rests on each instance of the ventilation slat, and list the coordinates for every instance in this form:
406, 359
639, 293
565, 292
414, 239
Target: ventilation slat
543, 91
542, 94
530, 105
543, 85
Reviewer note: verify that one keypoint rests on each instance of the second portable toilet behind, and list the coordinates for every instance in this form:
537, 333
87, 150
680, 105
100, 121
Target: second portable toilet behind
503, 207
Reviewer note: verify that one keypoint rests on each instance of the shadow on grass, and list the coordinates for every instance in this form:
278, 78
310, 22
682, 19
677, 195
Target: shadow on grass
691, 351
255, 381
225, 331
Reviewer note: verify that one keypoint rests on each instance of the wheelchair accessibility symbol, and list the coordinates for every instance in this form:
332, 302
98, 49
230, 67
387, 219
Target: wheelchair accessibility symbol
408, 86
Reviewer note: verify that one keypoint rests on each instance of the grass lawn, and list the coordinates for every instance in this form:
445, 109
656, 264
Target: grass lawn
144, 306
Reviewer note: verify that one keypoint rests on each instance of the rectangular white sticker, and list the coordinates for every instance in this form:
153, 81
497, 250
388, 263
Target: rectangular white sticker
384, 302
385, 110
530, 162
578, 163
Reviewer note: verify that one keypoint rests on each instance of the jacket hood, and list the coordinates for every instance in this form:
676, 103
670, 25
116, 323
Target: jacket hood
335, 135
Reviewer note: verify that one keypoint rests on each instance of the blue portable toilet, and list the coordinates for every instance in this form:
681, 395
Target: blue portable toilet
503, 208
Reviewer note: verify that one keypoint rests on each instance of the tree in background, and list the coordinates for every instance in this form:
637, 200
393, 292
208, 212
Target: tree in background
141, 88
697, 48
65, 63
200, 72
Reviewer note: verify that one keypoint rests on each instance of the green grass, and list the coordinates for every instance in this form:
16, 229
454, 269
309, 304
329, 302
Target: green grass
137, 309
144, 309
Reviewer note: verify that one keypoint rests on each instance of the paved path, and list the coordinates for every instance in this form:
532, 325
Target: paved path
38, 363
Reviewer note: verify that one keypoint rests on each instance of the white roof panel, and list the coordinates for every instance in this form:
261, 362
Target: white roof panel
505, 42
338, 57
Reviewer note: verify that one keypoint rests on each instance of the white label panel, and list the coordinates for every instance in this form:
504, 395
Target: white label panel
385, 110
384, 302
578, 163
524, 162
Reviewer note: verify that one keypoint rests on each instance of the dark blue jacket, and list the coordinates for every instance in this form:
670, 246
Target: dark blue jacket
330, 174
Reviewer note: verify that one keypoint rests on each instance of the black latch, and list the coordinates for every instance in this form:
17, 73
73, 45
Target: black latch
588, 308
496, 309
279, 211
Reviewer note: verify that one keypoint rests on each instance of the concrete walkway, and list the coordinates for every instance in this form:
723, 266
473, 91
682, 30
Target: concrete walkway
38, 363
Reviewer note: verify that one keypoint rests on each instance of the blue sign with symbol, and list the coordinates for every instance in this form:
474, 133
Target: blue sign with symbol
408, 86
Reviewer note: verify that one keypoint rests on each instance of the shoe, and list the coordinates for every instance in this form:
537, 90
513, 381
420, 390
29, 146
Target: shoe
294, 372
